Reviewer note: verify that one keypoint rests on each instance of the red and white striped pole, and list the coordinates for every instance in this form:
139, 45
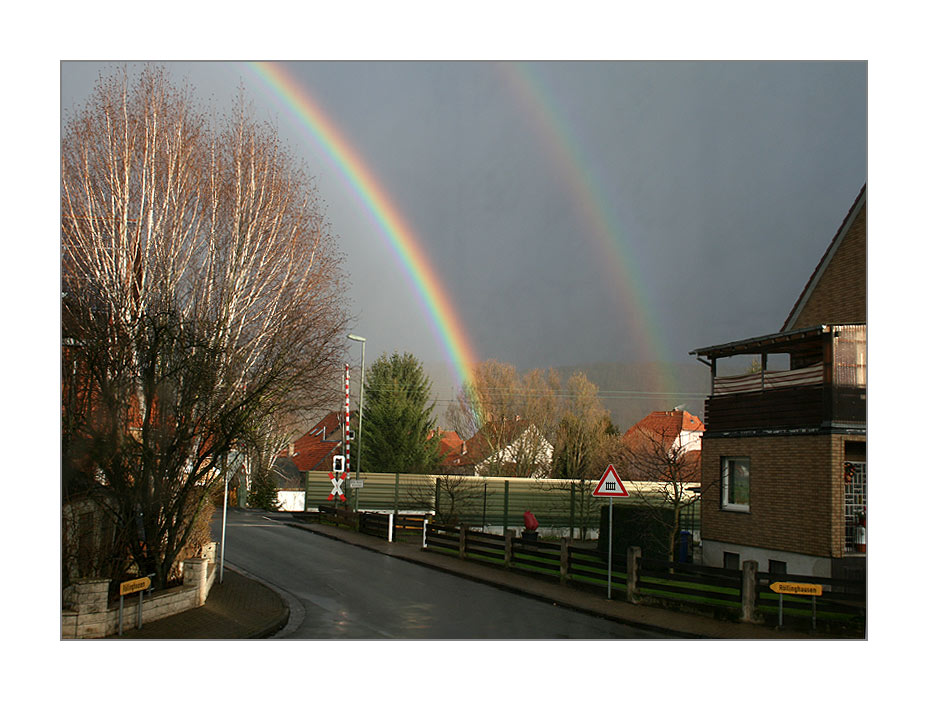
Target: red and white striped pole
347, 426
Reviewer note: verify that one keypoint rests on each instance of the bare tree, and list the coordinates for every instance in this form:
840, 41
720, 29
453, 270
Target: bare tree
584, 440
203, 293
509, 418
661, 470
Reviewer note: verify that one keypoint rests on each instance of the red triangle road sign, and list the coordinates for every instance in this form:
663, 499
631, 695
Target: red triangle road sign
610, 485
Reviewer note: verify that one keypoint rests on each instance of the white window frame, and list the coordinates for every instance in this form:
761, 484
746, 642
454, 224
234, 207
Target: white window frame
726, 470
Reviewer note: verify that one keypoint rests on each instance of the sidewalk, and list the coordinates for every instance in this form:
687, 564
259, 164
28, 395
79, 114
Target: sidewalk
239, 608
242, 607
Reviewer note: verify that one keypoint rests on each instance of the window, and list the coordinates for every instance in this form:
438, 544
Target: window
731, 561
776, 567
736, 484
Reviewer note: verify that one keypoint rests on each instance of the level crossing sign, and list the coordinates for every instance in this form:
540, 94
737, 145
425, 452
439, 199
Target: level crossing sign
337, 481
610, 485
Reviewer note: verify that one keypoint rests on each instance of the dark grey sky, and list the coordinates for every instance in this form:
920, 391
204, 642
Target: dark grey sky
577, 211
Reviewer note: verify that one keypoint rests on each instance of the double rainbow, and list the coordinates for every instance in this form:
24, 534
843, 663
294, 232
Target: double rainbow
400, 236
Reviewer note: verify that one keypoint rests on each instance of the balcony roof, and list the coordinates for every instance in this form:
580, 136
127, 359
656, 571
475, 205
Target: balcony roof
782, 342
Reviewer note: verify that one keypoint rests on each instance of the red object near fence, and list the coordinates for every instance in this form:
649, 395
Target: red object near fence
531, 523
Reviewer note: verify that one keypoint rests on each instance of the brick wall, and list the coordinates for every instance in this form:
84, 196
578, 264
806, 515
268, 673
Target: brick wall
796, 493
840, 297
87, 612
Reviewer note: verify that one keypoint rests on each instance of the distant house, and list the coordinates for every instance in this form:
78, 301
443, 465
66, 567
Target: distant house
512, 448
454, 456
784, 452
678, 429
313, 451
664, 446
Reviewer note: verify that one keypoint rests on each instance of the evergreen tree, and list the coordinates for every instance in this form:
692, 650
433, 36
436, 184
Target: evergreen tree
399, 431
263, 493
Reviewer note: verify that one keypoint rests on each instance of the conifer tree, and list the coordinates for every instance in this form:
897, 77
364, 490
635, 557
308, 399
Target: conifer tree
399, 430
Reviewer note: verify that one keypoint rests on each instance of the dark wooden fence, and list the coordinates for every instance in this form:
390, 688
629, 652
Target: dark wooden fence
709, 590
842, 600
340, 517
405, 527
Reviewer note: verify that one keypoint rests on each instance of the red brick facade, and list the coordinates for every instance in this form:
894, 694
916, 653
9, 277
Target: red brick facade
796, 493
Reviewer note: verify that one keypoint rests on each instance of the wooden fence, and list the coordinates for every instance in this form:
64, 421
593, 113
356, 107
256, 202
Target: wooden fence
709, 590
841, 599
714, 591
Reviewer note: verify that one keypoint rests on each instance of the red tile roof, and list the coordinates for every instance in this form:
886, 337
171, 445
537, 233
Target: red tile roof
313, 450
450, 445
667, 423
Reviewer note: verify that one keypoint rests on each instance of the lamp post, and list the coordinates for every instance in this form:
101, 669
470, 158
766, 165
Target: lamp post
362, 341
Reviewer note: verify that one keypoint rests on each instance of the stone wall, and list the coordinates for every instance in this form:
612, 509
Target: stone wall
87, 613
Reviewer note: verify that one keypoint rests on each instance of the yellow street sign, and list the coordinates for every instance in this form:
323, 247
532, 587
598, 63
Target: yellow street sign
796, 588
134, 585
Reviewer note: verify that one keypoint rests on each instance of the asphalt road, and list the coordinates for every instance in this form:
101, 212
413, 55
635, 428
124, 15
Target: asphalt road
340, 591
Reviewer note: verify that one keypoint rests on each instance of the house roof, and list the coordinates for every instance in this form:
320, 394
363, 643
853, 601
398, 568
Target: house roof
492, 437
660, 429
769, 342
849, 219
667, 425
313, 449
451, 448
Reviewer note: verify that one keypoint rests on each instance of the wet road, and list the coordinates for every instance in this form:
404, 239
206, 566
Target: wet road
339, 591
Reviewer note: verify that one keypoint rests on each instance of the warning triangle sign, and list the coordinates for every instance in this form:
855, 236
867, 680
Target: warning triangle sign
610, 485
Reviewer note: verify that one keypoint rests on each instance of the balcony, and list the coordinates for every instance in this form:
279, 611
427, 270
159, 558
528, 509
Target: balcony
822, 387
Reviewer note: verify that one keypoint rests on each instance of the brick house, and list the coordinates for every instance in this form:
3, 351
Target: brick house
784, 451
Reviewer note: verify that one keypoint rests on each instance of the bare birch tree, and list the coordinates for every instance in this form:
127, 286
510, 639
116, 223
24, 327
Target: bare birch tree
202, 291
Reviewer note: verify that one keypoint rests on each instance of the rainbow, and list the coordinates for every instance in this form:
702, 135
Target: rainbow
404, 242
557, 137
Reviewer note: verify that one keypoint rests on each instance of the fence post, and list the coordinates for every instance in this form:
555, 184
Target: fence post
749, 591
632, 573
573, 493
396, 494
483, 526
505, 506
565, 558
437, 495
425, 530
390, 527
507, 555
462, 540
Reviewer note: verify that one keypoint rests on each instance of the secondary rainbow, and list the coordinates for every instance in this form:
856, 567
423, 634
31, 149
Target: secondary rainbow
555, 134
404, 242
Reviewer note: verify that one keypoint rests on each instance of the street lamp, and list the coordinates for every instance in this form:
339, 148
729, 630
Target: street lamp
362, 341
